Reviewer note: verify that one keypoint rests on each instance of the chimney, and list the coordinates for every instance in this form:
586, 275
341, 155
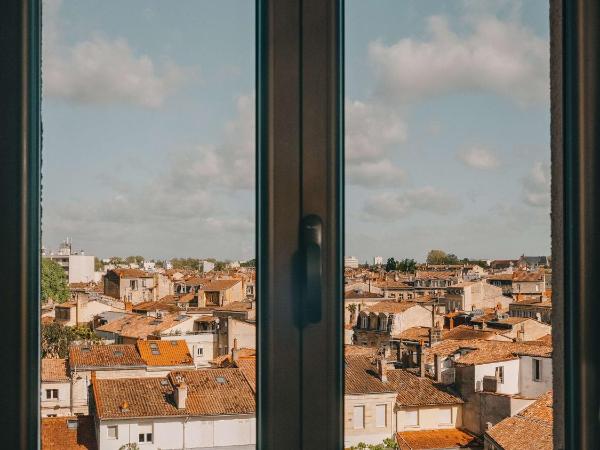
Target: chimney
234, 351
451, 322
180, 394
421, 359
382, 369
438, 368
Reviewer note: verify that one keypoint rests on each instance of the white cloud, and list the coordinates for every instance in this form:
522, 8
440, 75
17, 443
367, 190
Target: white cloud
503, 57
536, 185
375, 174
478, 158
371, 130
395, 205
229, 165
101, 70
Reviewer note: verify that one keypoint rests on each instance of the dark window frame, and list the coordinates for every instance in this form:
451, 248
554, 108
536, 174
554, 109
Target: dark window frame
299, 81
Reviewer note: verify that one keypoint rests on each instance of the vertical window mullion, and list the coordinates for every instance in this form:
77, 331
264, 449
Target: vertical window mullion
298, 174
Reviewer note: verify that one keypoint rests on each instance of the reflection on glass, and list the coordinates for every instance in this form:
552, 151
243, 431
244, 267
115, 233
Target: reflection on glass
148, 336
448, 309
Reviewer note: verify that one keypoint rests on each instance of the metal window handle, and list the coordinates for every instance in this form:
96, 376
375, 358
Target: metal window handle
313, 266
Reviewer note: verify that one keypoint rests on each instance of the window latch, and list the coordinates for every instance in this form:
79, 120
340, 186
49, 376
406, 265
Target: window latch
313, 267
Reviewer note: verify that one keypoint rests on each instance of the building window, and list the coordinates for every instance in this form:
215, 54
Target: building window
358, 417
500, 374
199, 351
380, 415
145, 433
133, 285
51, 394
411, 417
445, 416
537, 370
113, 432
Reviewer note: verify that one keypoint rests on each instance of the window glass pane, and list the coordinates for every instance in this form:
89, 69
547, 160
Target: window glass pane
148, 198
448, 277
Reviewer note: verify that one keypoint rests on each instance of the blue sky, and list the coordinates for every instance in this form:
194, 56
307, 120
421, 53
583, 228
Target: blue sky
149, 127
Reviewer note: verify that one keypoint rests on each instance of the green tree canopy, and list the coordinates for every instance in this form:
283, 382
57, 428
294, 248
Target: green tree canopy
55, 285
436, 257
56, 339
407, 265
186, 263
139, 260
391, 265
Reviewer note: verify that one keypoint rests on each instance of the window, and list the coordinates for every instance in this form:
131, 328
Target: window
537, 369
112, 432
500, 374
358, 417
380, 415
133, 285
445, 416
145, 433
51, 394
199, 351
411, 417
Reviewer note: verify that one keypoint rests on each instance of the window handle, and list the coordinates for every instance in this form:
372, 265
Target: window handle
313, 266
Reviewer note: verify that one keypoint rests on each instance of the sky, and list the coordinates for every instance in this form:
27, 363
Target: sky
148, 122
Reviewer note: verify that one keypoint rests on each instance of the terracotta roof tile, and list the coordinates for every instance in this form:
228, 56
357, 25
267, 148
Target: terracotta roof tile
131, 273
434, 439
220, 285
531, 429
86, 357
361, 376
248, 368
55, 369
484, 352
211, 392
419, 391
390, 307
524, 276
141, 326
57, 435
165, 353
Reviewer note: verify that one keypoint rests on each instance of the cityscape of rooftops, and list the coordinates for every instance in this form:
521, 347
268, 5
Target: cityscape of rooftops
148, 286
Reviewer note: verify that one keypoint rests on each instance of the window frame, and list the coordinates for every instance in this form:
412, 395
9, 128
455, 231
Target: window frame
575, 106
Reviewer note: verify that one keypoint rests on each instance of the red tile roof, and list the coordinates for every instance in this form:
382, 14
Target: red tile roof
434, 439
104, 356
57, 435
211, 392
55, 369
531, 429
165, 353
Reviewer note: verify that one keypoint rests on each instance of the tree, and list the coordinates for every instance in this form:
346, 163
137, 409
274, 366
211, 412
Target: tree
98, 264
54, 283
451, 258
249, 263
186, 263
391, 265
130, 446
352, 310
139, 260
56, 339
436, 257
407, 265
